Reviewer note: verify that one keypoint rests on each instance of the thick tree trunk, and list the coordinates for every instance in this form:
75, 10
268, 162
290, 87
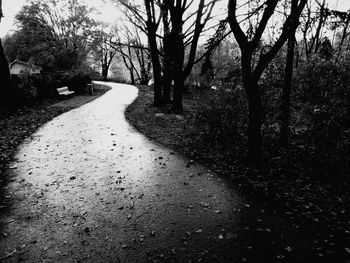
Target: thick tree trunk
157, 76
286, 92
5, 80
132, 77
178, 91
104, 72
157, 101
178, 57
252, 89
167, 76
152, 42
166, 98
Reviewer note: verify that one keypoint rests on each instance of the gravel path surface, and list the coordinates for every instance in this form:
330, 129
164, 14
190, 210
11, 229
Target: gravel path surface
89, 188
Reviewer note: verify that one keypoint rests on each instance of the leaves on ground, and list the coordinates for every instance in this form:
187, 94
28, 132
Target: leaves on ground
290, 186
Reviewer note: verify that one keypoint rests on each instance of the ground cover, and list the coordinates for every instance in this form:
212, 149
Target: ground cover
293, 185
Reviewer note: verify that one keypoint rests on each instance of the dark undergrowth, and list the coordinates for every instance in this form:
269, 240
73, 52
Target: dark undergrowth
307, 185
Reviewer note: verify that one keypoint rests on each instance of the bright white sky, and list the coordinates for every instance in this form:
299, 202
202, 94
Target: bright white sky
109, 12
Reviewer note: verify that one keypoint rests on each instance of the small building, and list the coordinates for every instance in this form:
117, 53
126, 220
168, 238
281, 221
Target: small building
18, 67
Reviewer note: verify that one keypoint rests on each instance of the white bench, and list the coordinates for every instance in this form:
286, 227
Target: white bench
64, 91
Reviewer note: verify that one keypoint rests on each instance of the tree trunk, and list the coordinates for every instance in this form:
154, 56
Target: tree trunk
5, 80
178, 91
178, 57
157, 101
152, 42
166, 98
167, 67
132, 77
288, 76
252, 89
104, 72
286, 92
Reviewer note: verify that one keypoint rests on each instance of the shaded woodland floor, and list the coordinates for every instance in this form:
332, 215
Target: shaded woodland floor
311, 194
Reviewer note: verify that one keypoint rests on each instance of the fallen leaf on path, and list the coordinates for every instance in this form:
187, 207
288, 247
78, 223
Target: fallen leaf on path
204, 204
9, 254
288, 249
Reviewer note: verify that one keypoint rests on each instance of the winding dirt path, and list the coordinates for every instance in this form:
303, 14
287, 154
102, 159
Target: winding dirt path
89, 188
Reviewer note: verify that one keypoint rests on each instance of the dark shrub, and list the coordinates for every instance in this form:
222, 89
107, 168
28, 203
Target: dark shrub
23, 91
220, 116
78, 82
44, 84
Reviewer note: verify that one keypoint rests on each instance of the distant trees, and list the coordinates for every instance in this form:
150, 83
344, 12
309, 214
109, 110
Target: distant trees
102, 49
145, 17
134, 54
55, 32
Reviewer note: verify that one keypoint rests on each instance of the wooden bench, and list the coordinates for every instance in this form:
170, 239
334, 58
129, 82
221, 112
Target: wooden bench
64, 91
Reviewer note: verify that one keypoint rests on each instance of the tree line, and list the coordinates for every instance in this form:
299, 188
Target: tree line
63, 36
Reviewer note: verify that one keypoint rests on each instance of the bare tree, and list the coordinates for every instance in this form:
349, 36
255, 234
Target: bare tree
286, 90
251, 72
182, 23
314, 20
184, 38
134, 53
102, 49
146, 18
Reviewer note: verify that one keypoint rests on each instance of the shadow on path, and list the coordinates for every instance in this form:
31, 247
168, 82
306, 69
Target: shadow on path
89, 188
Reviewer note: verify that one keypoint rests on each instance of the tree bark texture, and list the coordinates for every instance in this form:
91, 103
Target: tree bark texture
5, 80
286, 93
178, 55
255, 142
152, 42
288, 77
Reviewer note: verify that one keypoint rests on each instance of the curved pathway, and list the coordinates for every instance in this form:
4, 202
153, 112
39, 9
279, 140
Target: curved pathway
88, 187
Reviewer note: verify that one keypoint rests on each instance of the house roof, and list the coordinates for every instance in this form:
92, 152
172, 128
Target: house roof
17, 61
